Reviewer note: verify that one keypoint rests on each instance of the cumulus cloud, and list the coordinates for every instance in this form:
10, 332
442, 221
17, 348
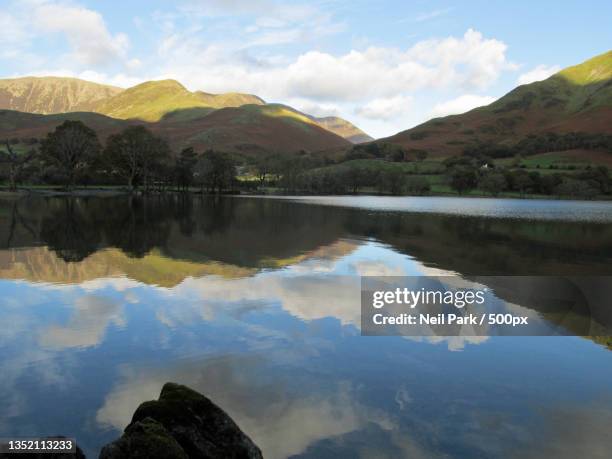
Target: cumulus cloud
85, 30
315, 109
539, 73
385, 108
92, 315
90, 43
460, 104
265, 47
471, 61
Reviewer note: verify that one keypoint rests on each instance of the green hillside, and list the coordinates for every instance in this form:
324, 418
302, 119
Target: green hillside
576, 99
152, 100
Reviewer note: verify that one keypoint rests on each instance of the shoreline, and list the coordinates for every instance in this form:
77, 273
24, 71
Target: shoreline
120, 191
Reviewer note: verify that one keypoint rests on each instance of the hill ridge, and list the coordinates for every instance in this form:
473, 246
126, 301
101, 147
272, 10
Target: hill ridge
555, 104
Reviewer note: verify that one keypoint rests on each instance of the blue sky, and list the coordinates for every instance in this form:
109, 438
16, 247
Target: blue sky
385, 65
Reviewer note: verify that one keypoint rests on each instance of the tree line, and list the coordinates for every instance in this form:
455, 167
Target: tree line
73, 155
464, 177
542, 143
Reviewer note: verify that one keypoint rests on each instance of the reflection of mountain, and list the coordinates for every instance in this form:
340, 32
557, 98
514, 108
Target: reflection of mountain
39, 264
239, 235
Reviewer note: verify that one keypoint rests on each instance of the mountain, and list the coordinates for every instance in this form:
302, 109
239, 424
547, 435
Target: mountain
52, 95
249, 129
343, 128
152, 100
576, 99
160, 102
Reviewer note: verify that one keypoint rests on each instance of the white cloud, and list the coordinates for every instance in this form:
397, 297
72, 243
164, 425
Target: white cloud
85, 30
541, 72
269, 416
265, 47
92, 315
460, 104
376, 72
315, 109
386, 108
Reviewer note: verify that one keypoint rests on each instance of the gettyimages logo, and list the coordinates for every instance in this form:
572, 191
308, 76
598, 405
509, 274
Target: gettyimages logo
486, 306
412, 298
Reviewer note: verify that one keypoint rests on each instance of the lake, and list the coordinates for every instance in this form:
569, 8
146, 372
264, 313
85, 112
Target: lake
255, 303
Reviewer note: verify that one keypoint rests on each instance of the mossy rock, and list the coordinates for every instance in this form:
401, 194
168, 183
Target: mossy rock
142, 440
182, 423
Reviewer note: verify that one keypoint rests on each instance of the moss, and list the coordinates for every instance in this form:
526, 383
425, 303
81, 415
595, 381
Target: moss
145, 439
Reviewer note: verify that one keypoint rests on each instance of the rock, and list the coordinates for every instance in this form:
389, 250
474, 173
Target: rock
182, 423
142, 440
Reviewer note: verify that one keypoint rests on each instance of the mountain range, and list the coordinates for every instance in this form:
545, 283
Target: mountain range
576, 99
231, 122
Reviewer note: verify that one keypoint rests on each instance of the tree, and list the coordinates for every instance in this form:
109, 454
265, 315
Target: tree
155, 151
493, 182
185, 165
576, 188
392, 181
462, 179
418, 185
72, 146
16, 163
134, 153
522, 182
215, 172
356, 177
263, 167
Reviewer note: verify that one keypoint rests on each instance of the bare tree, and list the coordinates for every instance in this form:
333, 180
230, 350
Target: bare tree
16, 163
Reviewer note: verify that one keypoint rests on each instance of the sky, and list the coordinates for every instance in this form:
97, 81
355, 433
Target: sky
384, 65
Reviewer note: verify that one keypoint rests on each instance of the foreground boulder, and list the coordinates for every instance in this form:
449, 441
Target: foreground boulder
181, 424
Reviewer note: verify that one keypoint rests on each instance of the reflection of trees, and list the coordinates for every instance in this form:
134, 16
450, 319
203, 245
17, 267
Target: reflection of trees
245, 232
136, 225
16, 218
479, 246
69, 230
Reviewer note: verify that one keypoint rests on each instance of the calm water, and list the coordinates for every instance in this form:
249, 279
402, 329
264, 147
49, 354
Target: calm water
255, 303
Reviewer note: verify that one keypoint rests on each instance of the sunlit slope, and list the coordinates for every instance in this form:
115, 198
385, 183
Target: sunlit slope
41, 264
343, 128
47, 95
152, 100
576, 99
251, 129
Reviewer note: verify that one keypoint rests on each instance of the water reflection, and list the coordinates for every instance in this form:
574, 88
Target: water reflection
255, 303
